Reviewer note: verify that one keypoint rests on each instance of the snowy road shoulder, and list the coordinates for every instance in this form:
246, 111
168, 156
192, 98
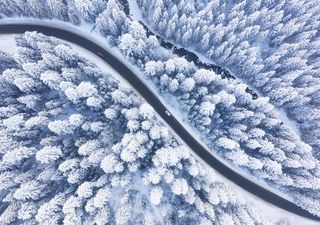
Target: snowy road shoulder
7, 43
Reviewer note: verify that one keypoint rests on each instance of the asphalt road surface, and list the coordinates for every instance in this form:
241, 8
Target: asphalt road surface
153, 100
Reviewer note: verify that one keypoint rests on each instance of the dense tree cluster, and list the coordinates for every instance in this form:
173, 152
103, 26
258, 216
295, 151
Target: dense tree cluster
108, 17
77, 147
272, 45
88, 129
244, 131
60, 9
247, 132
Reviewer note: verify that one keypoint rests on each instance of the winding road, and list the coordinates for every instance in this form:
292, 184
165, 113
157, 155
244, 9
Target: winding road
134, 80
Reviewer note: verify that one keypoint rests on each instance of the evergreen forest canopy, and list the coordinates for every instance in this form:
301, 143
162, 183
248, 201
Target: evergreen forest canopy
58, 112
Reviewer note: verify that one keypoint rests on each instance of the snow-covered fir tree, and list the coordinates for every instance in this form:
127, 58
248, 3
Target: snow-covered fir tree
86, 133
65, 161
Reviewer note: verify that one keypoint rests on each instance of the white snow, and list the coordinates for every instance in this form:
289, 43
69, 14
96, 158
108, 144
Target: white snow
102, 65
135, 11
227, 143
290, 123
263, 207
156, 195
84, 30
173, 107
260, 205
7, 43
145, 191
136, 14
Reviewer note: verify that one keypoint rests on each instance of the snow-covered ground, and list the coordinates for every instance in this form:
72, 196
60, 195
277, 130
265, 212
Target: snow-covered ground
7, 43
261, 206
173, 107
103, 66
84, 30
136, 14
266, 209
